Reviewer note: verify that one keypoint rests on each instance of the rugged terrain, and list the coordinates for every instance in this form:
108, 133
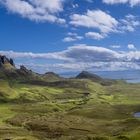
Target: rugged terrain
47, 106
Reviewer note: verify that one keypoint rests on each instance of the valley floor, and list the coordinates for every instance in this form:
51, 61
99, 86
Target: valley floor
69, 110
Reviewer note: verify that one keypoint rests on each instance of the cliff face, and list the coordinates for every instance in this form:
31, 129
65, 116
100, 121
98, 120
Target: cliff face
6, 61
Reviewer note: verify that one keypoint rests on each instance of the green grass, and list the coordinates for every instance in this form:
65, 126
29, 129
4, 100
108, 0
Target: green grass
69, 110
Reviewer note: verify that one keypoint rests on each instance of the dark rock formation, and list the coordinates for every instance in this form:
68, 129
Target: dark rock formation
25, 70
12, 62
4, 60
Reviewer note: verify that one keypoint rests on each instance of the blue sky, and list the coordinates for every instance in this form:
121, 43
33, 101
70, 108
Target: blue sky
71, 35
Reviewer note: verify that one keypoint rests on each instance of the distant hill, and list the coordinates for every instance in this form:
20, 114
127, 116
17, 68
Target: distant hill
88, 75
94, 78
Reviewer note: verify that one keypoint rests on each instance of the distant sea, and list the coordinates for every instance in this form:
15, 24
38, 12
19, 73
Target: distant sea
131, 76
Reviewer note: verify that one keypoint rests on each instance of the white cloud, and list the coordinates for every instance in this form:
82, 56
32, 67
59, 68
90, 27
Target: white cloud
95, 19
95, 35
115, 46
53, 6
104, 23
36, 10
54, 55
69, 39
131, 46
72, 34
72, 37
80, 57
115, 1
81, 53
129, 23
75, 5
131, 2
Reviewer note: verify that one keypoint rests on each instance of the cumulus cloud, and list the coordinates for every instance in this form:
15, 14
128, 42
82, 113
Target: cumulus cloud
131, 46
104, 23
48, 11
69, 39
95, 35
80, 57
72, 37
37, 10
129, 23
131, 2
95, 19
12, 54
82, 53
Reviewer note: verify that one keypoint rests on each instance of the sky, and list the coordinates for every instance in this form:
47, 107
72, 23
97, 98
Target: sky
71, 35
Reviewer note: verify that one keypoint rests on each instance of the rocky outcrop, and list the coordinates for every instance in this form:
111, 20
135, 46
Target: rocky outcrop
4, 60
24, 70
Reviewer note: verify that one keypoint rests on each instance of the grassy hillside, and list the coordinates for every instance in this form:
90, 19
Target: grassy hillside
72, 109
